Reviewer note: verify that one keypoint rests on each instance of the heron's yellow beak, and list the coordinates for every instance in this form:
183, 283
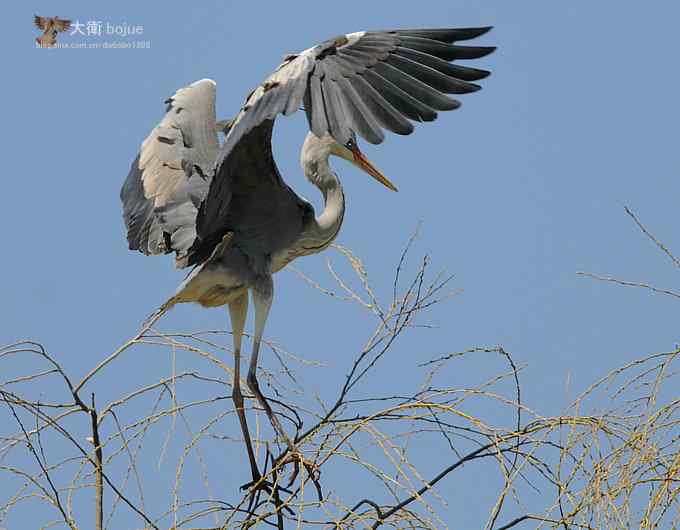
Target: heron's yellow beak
361, 161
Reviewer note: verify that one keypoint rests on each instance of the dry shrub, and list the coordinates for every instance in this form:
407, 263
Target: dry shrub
611, 460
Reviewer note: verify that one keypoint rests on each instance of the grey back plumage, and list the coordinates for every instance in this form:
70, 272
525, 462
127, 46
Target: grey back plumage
249, 198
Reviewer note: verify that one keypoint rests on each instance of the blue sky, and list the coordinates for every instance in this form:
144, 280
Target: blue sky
515, 192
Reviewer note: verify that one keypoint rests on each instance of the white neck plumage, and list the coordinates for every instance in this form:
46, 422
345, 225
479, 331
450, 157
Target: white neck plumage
320, 232
314, 160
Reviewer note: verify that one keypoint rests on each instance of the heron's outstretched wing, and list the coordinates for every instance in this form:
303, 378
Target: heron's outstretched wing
366, 82
171, 174
361, 83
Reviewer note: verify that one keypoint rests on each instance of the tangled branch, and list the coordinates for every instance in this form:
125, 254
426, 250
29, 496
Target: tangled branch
610, 460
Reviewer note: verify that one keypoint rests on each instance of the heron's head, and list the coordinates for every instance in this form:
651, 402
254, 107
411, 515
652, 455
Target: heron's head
316, 149
351, 152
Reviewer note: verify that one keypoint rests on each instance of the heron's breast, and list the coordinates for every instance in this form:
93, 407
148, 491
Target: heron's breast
217, 282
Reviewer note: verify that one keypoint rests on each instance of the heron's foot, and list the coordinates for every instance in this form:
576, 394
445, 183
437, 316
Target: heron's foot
296, 458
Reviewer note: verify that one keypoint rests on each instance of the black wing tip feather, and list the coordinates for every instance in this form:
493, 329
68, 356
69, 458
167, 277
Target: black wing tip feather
480, 73
447, 35
483, 51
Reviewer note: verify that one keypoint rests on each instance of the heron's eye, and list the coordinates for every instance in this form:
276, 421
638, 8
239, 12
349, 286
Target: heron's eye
350, 144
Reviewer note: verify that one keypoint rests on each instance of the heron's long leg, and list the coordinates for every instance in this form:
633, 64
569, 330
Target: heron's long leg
238, 310
263, 294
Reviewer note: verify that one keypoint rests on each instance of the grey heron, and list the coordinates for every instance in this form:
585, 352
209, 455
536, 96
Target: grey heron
225, 209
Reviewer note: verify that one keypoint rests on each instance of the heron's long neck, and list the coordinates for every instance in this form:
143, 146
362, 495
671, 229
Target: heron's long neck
326, 225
